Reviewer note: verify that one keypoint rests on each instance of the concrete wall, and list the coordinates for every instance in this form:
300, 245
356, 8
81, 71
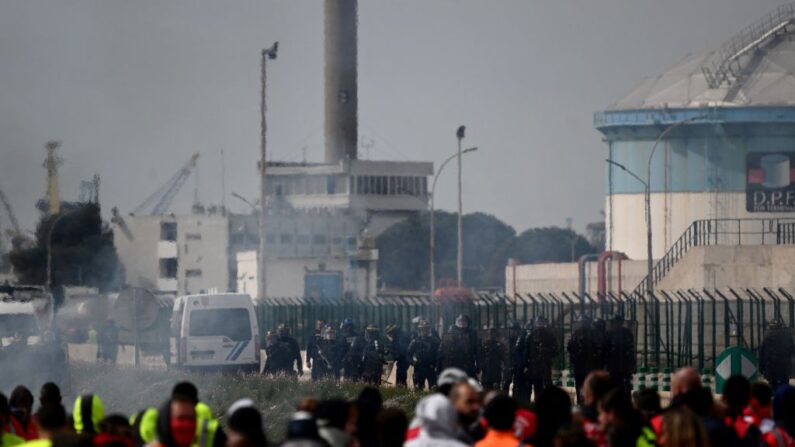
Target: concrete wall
564, 277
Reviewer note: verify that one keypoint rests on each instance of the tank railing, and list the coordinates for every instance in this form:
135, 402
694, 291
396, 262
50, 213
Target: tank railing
729, 232
672, 328
725, 61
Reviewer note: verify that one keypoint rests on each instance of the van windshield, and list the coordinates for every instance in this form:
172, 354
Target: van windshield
231, 323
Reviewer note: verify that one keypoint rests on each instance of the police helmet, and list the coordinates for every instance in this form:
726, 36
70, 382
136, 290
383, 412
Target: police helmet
346, 323
513, 325
541, 321
329, 333
462, 321
391, 329
283, 330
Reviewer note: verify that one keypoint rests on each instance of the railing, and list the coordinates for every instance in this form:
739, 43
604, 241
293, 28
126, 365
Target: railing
720, 66
711, 232
672, 328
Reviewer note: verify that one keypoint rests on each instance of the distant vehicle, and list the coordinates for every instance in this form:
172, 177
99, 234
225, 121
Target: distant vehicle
215, 332
25, 311
450, 290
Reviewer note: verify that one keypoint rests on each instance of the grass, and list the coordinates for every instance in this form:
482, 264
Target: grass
127, 390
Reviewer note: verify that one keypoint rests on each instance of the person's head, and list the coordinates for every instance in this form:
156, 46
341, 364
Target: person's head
784, 408
513, 328
371, 333
176, 425
185, 391
571, 435
50, 419
5, 411
424, 329
21, 402
302, 426
347, 326
761, 398
448, 378
392, 331
682, 428
329, 334
392, 426
244, 428
700, 401
88, 413
50, 394
462, 321
319, 325
615, 407
283, 331
684, 381
553, 410
647, 402
617, 321
333, 413
115, 431
540, 322
597, 384
308, 404
467, 401
493, 333
736, 394
500, 412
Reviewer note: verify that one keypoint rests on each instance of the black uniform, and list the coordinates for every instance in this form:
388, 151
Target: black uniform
775, 357
585, 354
541, 348
422, 353
283, 355
312, 352
620, 356
327, 359
507, 372
459, 349
519, 375
492, 357
398, 348
371, 366
352, 350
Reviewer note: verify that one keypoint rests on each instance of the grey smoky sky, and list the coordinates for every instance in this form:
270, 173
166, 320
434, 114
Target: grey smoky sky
133, 88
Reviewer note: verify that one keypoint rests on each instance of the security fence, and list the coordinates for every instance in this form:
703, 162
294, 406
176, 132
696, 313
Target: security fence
673, 328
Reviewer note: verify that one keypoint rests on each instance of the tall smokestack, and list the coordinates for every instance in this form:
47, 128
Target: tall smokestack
340, 78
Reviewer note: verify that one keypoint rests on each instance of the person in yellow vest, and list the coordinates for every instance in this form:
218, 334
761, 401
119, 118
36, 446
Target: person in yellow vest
208, 430
87, 414
7, 439
50, 422
176, 424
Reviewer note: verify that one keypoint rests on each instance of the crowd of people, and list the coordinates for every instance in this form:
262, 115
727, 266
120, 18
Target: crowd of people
458, 412
507, 358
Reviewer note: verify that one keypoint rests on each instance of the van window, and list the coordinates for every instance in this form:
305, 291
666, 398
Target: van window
231, 323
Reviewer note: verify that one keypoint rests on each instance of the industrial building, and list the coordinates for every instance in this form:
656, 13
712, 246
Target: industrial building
713, 137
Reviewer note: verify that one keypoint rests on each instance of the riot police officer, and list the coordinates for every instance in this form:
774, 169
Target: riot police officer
398, 348
492, 359
541, 348
514, 330
585, 352
521, 383
286, 353
312, 346
350, 350
775, 355
422, 353
326, 357
460, 347
620, 354
373, 356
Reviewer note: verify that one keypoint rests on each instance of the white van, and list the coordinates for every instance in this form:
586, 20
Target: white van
215, 332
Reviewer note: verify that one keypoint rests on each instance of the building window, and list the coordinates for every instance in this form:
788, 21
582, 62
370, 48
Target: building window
168, 268
286, 238
319, 239
302, 239
392, 189
425, 186
168, 231
193, 236
331, 185
270, 239
193, 273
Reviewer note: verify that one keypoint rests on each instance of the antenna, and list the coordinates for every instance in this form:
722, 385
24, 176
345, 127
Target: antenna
223, 183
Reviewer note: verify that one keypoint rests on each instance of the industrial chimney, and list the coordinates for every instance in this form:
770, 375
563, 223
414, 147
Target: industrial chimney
340, 78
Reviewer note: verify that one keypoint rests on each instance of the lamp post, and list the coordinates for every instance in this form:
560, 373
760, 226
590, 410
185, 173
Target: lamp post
269, 53
663, 134
433, 221
460, 245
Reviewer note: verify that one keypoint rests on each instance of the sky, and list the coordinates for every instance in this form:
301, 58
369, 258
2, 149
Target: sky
133, 88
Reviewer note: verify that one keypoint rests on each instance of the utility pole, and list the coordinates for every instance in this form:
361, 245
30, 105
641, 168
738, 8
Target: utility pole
269, 53
51, 163
460, 251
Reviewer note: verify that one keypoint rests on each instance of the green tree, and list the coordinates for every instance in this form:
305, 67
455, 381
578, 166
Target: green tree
82, 251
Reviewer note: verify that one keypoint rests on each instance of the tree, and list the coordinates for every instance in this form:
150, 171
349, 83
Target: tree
82, 251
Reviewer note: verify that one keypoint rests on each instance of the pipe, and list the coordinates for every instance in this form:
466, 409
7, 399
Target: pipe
581, 266
601, 276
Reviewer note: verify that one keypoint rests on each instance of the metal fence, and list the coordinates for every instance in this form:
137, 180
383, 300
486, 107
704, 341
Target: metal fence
673, 328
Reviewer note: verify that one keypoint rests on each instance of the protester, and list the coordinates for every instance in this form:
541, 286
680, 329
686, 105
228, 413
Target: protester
500, 412
553, 408
176, 423
302, 431
783, 434
392, 425
336, 422
88, 413
682, 428
21, 404
114, 431
619, 420
448, 378
736, 397
50, 394
596, 386
7, 439
760, 409
467, 403
50, 421
435, 424
245, 426
647, 403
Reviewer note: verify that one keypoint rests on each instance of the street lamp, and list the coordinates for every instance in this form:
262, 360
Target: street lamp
663, 134
268, 53
244, 200
460, 246
433, 221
